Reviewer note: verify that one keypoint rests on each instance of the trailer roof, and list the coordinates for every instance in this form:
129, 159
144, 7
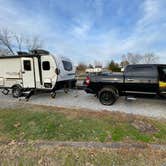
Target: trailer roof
32, 53
20, 56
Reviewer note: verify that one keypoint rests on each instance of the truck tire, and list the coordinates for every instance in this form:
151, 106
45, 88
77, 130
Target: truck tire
107, 96
163, 96
16, 91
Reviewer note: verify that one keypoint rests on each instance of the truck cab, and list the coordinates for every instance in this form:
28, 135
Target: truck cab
141, 78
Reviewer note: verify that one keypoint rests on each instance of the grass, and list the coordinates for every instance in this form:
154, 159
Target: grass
68, 156
48, 123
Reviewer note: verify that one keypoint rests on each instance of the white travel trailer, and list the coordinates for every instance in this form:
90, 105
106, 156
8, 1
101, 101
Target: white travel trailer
37, 70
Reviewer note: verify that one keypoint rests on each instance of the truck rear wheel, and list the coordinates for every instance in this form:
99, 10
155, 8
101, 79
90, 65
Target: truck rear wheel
163, 96
107, 96
16, 91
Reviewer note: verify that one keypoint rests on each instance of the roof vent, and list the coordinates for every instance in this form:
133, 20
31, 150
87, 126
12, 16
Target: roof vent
21, 53
38, 51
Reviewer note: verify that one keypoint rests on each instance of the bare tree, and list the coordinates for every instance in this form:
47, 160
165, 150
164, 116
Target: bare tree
4, 52
15, 42
149, 58
97, 63
132, 58
81, 67
33, 43
6, 40
19, 41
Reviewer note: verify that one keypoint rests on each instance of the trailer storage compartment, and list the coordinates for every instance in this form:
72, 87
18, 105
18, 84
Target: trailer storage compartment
1, 81
10, 71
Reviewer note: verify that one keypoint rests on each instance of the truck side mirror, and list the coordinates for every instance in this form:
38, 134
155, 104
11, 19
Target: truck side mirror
57, 71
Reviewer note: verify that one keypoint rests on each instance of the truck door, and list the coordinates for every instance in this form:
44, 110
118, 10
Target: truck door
162, 79
28, 73
141, 79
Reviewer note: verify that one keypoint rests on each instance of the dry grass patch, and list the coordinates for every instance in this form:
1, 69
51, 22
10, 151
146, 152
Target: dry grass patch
29, 154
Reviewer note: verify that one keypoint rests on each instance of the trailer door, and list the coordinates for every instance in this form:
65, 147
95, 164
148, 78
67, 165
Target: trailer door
28, 74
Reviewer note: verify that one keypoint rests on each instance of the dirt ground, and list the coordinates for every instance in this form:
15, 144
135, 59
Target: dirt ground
151, 107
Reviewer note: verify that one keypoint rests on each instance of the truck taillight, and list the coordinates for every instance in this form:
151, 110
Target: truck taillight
87, 81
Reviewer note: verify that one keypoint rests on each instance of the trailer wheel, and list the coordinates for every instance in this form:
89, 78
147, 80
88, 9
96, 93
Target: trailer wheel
53, 95
16, 91
107, 96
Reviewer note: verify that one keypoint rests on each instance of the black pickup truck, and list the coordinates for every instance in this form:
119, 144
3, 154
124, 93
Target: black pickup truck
136, 79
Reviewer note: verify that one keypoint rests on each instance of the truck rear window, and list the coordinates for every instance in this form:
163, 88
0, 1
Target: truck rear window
67, 65
140, 71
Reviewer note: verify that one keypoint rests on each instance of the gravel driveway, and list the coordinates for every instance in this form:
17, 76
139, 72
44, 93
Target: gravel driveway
79, 99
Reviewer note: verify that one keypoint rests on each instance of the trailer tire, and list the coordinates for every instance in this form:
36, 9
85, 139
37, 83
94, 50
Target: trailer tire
107, 96
16, 91
53, 95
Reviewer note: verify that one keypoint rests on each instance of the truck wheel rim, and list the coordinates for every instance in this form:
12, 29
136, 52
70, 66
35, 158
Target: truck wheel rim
106, 97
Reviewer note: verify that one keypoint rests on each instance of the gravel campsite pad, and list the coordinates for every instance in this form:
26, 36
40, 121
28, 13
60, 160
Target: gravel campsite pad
79, 99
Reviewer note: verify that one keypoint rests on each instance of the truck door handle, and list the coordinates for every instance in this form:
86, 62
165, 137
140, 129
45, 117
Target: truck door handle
23, 72
129, 79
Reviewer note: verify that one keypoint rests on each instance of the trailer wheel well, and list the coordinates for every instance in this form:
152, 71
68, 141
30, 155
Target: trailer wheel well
111, 87
16, 85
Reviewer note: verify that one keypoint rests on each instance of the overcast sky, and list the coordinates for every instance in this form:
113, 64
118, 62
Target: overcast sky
88, 30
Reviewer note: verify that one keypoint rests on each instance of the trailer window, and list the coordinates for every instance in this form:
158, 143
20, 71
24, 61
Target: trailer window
67, 65
27, 65
46, 65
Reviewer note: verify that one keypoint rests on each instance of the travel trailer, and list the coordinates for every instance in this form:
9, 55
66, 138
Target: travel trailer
37, 70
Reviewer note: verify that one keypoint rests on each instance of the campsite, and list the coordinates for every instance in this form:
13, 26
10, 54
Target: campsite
82, 83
